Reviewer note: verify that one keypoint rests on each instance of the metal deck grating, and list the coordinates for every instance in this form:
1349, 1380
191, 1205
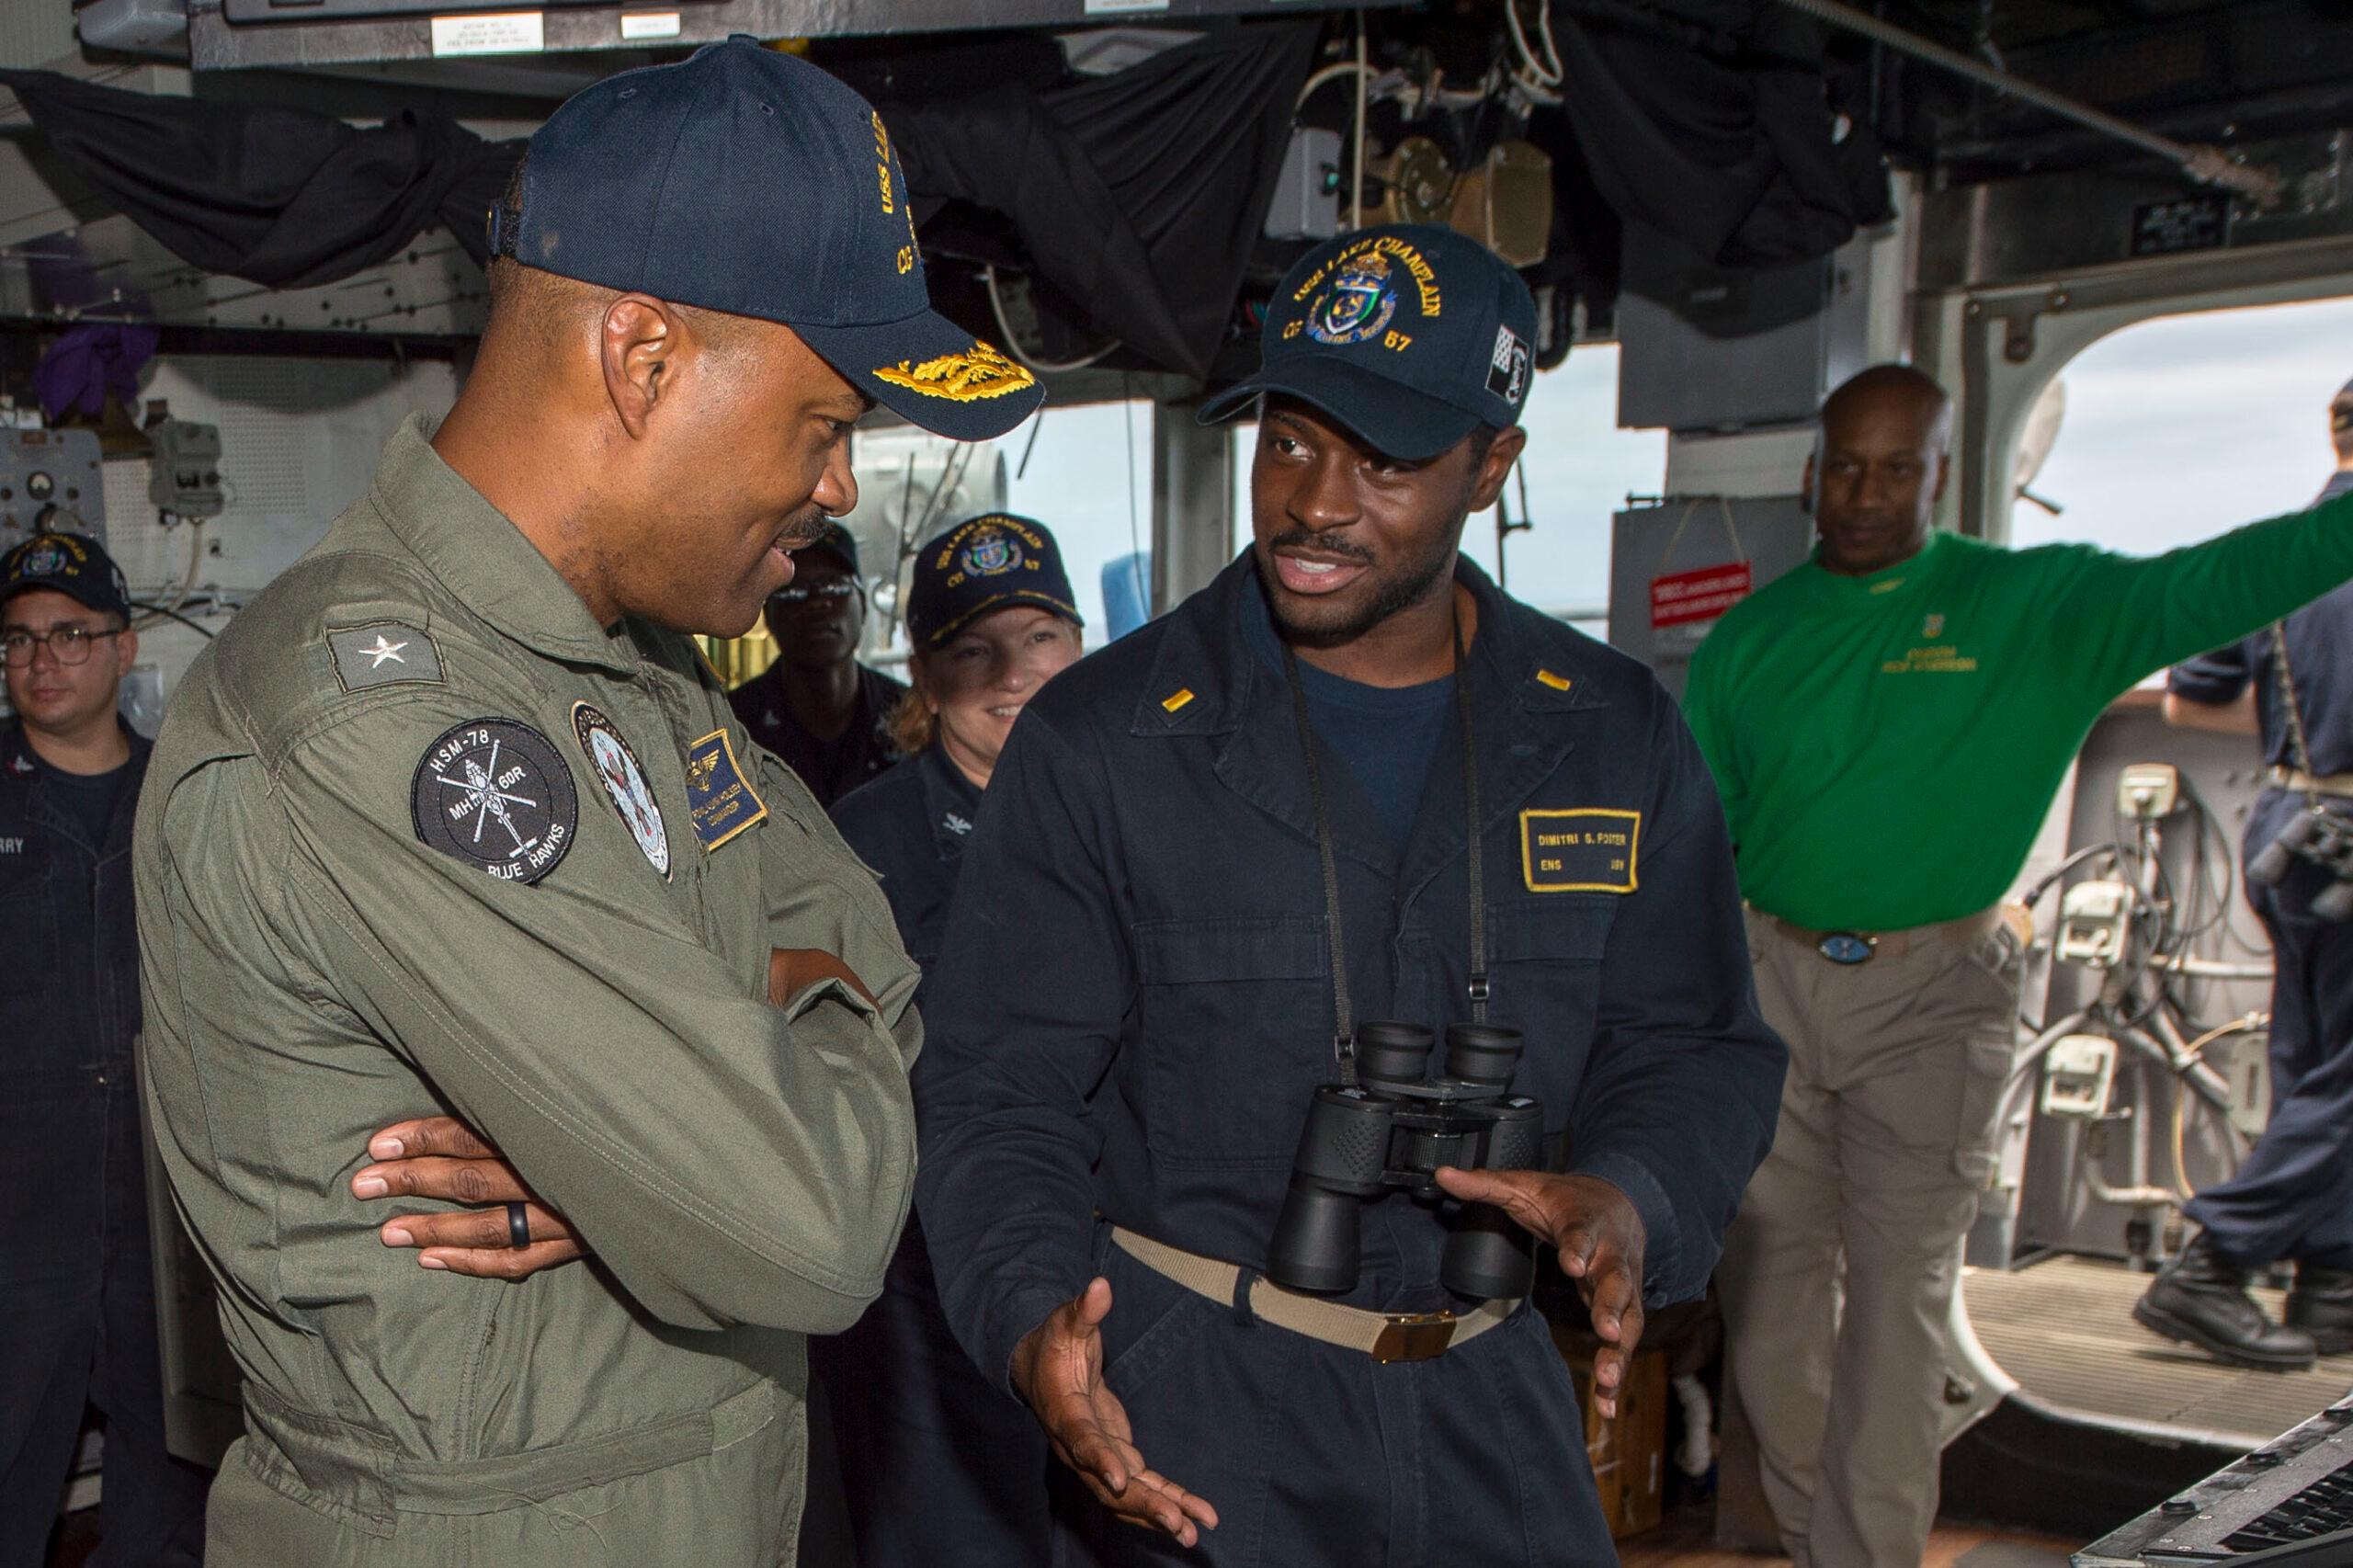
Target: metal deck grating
2063, 1329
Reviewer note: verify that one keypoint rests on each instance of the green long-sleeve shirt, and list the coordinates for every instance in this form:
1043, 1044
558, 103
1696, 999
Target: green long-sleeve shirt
1887, 745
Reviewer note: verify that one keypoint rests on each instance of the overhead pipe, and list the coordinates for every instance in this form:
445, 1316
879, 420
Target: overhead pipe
2207, 165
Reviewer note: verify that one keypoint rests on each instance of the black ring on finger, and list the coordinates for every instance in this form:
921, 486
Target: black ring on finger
518, 1226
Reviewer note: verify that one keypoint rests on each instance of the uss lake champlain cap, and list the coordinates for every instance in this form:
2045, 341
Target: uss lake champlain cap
1409, 335
748, 181
74, 564
982, 564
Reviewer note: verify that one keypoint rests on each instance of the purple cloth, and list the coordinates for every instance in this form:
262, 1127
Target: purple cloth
90, 361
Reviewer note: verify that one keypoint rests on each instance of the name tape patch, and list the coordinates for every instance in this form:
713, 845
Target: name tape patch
719, 799
1589, 849
493, 793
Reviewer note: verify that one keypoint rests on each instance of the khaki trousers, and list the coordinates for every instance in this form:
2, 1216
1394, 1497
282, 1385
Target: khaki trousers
1839, 1271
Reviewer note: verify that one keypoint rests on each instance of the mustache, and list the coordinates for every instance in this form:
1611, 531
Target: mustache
1302, 539
805, 530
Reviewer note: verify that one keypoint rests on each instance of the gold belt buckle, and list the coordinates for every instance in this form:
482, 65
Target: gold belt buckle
1414, 1337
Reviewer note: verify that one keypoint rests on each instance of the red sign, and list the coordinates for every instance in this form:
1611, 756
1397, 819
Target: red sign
1686, 598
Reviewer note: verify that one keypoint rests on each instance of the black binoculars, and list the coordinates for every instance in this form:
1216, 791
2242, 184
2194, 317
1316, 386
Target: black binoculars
1393, 1132
2323, 837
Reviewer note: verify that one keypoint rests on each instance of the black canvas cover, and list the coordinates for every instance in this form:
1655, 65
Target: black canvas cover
282, 197
1711, 121
1138, 196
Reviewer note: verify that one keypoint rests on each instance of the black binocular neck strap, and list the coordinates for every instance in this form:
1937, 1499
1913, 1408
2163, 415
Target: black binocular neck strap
2294, 709
1344, 1023
1344, 1028
1475, 862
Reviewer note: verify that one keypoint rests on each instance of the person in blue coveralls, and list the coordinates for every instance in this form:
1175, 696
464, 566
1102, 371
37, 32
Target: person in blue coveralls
2293, 1196
1137, 999
938, 1466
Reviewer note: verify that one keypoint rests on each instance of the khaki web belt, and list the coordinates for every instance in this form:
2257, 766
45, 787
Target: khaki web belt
1384, 1336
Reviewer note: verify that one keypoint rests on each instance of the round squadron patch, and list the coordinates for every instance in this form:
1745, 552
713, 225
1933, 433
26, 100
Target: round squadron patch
493, 793
624, 780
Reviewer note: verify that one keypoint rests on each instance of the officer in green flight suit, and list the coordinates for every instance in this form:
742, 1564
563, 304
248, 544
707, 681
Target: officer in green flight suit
453, 816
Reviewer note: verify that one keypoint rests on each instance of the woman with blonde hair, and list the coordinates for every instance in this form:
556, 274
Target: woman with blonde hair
937, 1464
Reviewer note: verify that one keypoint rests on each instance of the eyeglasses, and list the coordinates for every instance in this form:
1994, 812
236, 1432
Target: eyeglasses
66, 645
802, 593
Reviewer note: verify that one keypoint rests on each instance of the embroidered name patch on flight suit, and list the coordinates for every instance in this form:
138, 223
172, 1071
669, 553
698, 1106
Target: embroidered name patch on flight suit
1589, 849
719, 799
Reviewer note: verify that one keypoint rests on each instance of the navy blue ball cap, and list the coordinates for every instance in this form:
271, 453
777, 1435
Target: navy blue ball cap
1409, 335
981, 564
748, 181
837, 542
74, 564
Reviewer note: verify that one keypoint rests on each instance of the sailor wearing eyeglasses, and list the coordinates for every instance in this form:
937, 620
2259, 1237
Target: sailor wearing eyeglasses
77, 1297
824, 713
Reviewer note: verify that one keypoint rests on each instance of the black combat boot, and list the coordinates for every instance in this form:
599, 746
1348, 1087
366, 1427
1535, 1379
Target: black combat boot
2322, 1305
2201, 1299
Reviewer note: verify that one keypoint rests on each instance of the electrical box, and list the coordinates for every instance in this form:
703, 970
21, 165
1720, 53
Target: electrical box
1307, 188
2078, 1075
2147, 790
2249, 1076
2095, 918
184, 469
50, 482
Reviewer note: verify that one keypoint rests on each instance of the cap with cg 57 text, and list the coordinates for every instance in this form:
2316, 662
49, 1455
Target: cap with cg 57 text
74, 564
747, 181
983, 564
1409, 335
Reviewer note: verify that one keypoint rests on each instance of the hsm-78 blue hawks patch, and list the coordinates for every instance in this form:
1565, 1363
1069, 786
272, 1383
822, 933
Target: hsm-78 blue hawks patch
493, 793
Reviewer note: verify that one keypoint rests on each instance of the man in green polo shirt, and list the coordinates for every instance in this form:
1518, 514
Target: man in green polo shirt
1887, 725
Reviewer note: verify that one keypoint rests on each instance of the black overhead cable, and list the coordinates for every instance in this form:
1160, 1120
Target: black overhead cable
2207, 165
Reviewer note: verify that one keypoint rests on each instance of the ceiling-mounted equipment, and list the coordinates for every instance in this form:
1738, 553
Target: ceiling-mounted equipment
1417, 184
1505, 203
1307, 191
2207, 165
251, 34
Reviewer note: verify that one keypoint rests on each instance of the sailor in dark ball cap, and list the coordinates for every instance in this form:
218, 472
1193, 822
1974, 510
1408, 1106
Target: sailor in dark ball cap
1204, 852
937, 1465
824, 713
77, 1288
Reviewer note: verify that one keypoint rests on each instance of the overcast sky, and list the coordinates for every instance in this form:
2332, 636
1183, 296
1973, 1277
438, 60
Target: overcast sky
2181, 427
2175, 430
